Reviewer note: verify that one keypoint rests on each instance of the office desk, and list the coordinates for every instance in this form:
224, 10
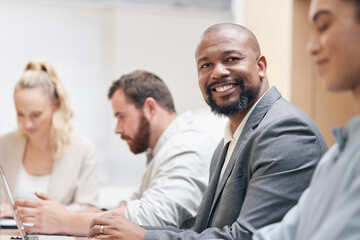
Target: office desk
7, 233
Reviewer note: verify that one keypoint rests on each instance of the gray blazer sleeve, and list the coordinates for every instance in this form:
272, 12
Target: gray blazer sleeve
283, 153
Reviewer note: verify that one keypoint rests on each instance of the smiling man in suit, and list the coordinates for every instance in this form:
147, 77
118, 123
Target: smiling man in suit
267, 156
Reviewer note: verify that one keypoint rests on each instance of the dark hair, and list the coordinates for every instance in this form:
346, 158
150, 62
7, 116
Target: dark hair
139, 85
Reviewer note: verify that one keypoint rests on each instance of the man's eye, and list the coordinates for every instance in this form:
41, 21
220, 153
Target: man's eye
206, 65
231, 59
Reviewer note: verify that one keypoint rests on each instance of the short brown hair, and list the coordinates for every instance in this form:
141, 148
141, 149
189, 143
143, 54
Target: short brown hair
139, 85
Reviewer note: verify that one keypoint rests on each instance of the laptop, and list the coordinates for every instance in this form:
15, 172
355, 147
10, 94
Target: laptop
20, 225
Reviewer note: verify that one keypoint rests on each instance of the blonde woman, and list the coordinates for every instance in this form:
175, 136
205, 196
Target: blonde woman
44, 158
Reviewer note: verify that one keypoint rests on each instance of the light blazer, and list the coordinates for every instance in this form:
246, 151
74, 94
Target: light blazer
73, 180
271, 166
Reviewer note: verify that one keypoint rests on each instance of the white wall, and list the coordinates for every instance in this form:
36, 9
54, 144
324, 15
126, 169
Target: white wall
92, 45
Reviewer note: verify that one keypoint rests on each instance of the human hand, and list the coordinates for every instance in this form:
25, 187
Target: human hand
46, 214
115, 227
90, 210
120, 209
5, 211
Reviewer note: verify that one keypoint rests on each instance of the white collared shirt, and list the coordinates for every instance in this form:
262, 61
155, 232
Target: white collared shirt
175, 178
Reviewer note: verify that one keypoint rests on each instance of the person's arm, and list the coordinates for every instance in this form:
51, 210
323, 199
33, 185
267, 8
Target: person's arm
175, 190
120, 209
344, 221
114, 226
283, 158
287, 228
51, 217
341, 221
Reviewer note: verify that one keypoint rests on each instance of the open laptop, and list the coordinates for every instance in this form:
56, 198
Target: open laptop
21, 226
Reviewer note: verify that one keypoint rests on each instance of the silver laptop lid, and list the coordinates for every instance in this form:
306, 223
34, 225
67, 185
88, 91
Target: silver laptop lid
11, 200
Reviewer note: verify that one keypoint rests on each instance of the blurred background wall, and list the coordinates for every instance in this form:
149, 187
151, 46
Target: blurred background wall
93, 42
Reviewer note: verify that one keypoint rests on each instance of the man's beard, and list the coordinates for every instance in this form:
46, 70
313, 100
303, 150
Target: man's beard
141, 140
246, 97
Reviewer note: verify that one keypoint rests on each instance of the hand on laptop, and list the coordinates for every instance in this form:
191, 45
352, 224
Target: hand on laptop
45, 214
114, 226
5, 211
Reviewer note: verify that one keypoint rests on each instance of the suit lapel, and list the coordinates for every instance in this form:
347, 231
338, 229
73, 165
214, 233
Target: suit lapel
262, 108
253, 121
229, 168
204, 210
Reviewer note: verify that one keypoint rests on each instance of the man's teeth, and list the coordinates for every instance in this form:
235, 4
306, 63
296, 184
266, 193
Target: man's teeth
223, 88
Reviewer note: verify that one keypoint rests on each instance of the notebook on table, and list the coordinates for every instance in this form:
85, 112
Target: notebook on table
8, 223
20, 225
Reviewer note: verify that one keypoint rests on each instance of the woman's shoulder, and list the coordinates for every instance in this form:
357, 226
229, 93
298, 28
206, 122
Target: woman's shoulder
12, 146
12, 138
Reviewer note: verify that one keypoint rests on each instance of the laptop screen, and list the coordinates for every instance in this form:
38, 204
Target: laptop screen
11, 200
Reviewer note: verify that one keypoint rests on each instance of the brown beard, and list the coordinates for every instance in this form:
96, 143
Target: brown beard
141, 140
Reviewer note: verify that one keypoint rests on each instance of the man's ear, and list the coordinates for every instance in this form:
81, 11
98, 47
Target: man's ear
150, 107
262, 64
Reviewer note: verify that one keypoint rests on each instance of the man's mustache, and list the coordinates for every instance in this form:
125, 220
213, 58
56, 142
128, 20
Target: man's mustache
125, 137
221, 81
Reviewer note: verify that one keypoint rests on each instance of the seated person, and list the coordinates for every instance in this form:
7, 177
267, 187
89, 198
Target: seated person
329, 209
178, 157
44, 155
266, 159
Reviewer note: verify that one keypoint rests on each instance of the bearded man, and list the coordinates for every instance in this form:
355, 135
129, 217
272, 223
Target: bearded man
178, 159
266, 159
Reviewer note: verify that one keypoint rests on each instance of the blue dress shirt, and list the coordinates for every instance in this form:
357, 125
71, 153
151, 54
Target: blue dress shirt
330, 208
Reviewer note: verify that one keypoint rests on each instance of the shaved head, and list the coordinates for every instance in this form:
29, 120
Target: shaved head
231, 70
253, 42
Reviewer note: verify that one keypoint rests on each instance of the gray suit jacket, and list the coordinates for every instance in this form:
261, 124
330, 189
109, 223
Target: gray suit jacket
271, 166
